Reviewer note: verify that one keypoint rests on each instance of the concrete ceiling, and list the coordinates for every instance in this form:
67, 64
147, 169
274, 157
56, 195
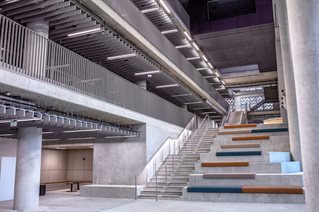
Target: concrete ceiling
241, 46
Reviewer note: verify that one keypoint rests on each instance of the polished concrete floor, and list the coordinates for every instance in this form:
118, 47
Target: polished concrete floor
62, 201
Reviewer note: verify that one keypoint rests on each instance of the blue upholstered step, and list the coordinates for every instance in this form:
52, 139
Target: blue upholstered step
208, 189
243, 153
270, 130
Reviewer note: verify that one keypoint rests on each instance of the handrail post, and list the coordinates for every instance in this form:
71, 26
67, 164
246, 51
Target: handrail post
135, 181
166, 173
156, 187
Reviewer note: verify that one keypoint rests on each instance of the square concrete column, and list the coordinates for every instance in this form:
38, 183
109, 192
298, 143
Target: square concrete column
303, 19
28, 167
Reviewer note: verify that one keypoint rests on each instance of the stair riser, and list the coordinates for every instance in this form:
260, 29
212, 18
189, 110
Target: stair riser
253, 167
245, 197
265, 180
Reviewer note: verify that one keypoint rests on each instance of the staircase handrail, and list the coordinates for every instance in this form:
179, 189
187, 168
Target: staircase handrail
230, 109
169, 146
207, 121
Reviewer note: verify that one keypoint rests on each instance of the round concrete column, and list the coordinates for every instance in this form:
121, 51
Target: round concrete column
41, 27
289, 80
303, 19
27, 180
143, 84
38, 47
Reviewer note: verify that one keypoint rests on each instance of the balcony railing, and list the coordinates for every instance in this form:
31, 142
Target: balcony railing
27, 53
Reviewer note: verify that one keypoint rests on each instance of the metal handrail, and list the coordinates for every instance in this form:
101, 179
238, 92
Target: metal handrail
200, 127
169, 148
230, 109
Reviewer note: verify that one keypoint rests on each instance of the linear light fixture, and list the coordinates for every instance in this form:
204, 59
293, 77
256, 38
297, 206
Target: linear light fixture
120, 136
169, 31
208, 112
192, 58
200, 69
74, 139
201, 108
53, 139
183, 46
85, 32
223, 82
210, 71
187, 36
217, 74
180, 95
205, 58
117, 57
167, 86
196, 46
150, 10
210, 65
75, 131
192, 103
4, 135
162, 3
147, 73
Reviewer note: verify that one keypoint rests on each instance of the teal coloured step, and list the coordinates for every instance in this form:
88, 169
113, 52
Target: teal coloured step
208, 189
241, 153
270, 130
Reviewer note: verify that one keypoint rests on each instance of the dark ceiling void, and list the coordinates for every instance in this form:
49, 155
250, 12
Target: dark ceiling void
219, 15
221, 9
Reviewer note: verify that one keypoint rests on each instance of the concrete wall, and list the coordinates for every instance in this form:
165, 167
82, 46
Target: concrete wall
156, 135
116, 161
8, 147
80, 165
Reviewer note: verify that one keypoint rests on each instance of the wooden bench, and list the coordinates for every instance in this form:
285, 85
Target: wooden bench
71, 183
273, 189
240, 126
251, 138
234, 132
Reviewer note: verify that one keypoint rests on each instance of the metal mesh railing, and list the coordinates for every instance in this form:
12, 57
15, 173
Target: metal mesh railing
24, 52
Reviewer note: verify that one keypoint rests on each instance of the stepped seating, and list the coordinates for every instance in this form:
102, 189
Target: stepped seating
251, 138
261, 171
240, 126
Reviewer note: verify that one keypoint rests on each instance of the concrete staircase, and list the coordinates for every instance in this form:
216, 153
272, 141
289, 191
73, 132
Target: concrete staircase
247, 163
173, 174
